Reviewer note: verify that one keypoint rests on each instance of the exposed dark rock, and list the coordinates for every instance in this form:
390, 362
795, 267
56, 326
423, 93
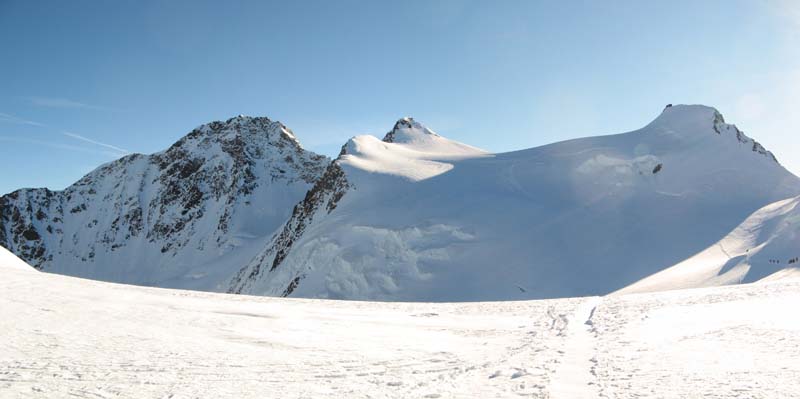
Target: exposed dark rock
292, 286
30, 234
325, 195
657, 168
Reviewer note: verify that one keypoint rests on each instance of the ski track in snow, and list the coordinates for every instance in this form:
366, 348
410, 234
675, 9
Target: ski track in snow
68, 337
574, 376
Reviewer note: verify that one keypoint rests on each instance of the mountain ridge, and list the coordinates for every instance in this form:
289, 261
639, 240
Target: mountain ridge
239, 206
366, 249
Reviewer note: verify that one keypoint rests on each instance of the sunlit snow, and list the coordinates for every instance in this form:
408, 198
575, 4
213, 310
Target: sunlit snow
68, 337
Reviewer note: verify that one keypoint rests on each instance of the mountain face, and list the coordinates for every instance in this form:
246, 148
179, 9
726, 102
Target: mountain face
186, 217
418, 217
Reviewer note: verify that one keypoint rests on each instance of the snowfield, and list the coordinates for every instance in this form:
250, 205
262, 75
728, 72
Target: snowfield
69, 337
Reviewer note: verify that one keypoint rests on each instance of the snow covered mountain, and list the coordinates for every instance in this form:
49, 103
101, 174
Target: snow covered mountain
687, 201
240, 206
186, 217
418, 217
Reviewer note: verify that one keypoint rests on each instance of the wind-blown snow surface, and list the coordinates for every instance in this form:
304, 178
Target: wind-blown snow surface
418, 217
68, 337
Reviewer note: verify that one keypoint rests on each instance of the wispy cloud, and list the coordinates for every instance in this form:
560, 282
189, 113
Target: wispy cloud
8, 118
788, 15
51, 102
59, 146
122, 151
791, 9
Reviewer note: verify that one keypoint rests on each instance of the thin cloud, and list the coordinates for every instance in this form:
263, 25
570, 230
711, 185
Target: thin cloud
95, 142
50, 144
8, 118
792, 10
51, 102
788, 11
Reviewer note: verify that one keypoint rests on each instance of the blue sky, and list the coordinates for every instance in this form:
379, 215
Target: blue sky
84, 82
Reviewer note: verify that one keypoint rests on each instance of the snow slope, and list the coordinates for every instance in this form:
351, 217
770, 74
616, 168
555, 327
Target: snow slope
765, 246
185, 217
69, 337
10, 261
418, 217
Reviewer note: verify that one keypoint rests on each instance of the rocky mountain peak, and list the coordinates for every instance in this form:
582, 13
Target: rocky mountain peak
407, 129
256, 131
224, 177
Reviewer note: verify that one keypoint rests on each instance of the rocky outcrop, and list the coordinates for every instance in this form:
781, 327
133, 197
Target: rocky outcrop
406, 124
322, 198
722, 128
